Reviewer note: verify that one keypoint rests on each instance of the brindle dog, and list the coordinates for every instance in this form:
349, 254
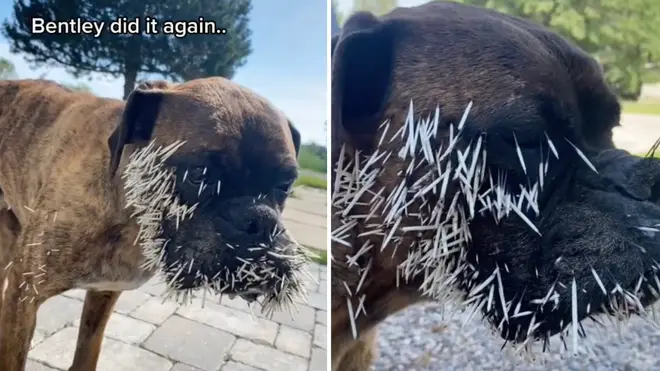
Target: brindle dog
65, 218
537, 99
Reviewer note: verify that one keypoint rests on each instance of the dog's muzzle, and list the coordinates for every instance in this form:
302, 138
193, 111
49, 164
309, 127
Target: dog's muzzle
237, 248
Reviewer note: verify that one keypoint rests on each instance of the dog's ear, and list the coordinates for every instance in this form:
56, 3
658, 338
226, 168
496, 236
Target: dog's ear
137, 123
295, 137
362, 68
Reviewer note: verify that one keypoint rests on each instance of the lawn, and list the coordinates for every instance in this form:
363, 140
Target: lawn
311, 181
655, 155
320, 256
646, 107
311, 160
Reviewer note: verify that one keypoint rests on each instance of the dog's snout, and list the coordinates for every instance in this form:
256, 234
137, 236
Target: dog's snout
257, 221
651, 171
655, 190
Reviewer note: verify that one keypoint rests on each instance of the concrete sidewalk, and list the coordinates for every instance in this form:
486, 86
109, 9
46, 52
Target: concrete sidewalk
145, 334
305, 215
637, 133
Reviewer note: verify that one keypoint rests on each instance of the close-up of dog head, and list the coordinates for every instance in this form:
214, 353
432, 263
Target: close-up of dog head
207, 166
473, 162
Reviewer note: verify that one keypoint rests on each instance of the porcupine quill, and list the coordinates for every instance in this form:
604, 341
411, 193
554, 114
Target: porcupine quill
439, 252
150, 192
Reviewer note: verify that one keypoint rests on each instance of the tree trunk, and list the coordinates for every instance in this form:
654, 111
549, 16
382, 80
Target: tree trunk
130, 75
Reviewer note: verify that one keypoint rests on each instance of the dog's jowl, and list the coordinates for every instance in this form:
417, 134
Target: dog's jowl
473, 163
185, 181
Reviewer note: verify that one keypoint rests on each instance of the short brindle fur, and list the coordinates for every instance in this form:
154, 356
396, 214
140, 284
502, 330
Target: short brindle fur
186, 181
473, 162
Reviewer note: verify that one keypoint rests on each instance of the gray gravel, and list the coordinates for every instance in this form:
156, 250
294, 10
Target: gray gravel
421, 338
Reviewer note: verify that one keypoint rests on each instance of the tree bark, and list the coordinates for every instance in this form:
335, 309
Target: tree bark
132, 63
130, 75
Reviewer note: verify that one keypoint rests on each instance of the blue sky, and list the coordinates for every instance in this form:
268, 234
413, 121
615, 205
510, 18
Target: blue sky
287, 66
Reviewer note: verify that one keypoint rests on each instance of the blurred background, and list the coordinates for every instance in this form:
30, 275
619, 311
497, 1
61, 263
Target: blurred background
624, 36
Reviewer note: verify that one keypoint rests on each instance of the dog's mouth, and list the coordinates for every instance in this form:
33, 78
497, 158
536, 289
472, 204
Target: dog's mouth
271, 270
230, 268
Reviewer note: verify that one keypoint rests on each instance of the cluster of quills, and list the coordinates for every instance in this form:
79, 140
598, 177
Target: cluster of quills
276, 270
444, 185
32, 278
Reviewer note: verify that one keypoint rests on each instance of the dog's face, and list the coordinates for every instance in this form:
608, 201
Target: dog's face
517, 202
209, 188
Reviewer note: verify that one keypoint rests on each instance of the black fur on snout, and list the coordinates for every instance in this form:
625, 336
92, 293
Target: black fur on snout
240, 247
597, 251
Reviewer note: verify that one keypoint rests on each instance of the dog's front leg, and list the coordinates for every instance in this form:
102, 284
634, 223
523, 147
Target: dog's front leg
96, 312
18, 319
359, 354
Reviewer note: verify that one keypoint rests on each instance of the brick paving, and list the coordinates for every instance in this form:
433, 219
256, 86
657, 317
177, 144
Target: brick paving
146, 334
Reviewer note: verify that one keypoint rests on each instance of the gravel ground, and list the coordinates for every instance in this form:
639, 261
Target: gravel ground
421, 338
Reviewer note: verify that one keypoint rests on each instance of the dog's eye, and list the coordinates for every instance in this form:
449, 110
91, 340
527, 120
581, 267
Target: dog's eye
196, 175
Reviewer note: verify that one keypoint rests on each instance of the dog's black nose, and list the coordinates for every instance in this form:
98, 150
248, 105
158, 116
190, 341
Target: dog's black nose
257, 221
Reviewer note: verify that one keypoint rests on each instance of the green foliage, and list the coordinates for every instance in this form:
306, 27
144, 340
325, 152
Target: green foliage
313, 157
174, 58
377, 7
7, 69
311, 181
318, 256
339, 16
653, 155
621, 35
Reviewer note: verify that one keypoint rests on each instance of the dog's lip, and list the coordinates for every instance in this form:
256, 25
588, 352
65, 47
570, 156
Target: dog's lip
250, 298
250, 295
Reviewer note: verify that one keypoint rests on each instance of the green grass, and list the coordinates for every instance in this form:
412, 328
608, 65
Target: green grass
311, 161
655, 155
651, 76
320, 256
311, 181
647, 107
